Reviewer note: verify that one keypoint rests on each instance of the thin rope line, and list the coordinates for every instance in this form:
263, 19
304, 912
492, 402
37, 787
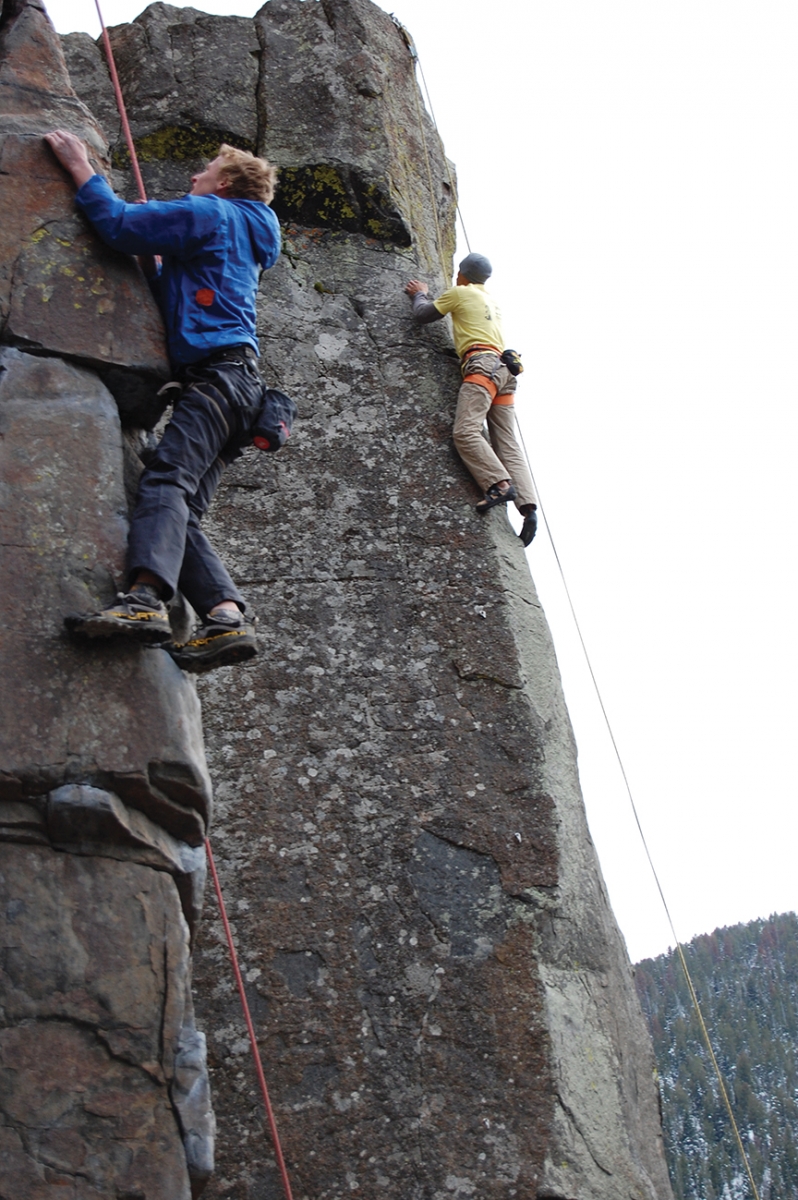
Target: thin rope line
683, 960
443, 151
228, 933
433, 199
278, 1150
414, 58
120, 104
253, 1041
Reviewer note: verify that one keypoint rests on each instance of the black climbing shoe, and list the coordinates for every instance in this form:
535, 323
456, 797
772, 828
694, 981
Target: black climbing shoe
494, 496
220, 640
529, 527
138, 614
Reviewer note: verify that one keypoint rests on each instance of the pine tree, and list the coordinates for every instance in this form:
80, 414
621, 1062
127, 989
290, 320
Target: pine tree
746, 979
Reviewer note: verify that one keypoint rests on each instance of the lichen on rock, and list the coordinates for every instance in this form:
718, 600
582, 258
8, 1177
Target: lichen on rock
437, 982
105, 798
62, 291
180, 144
331, 198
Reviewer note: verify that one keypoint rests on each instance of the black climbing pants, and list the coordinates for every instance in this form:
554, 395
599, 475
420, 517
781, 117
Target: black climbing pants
211, 423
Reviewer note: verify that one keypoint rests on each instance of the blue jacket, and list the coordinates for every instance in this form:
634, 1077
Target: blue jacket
212, 251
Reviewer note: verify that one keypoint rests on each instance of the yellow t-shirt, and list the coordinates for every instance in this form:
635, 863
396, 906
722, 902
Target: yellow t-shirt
475, 317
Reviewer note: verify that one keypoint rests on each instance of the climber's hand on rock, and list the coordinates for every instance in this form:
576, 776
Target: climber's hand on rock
415, 286
71, 153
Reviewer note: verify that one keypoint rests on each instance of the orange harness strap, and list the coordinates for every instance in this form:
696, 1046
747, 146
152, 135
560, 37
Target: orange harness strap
491, 388
479, 348
482, 381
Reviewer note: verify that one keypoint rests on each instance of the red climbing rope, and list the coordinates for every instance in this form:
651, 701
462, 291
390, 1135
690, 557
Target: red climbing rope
278, 1152
120, 104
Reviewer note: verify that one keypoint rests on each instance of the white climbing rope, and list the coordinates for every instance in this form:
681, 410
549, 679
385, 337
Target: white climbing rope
411, 47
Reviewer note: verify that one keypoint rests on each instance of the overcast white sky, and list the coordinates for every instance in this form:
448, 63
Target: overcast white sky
630, 169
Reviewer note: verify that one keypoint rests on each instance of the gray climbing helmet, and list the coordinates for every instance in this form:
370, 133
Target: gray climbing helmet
476, 268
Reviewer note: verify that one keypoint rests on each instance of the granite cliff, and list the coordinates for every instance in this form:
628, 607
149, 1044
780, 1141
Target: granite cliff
104, 790
442, 997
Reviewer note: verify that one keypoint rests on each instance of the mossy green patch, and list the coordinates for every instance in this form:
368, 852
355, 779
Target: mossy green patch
319, 193
179, 143
326, 197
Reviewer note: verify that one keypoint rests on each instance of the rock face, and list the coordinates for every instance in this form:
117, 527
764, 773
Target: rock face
90, 1028
61, 290
443, 999
118, 718
105, 796
442, 996
181, 105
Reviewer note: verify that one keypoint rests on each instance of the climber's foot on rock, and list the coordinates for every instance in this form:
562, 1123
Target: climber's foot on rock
530, 525
223, 638
139, 614
496, 494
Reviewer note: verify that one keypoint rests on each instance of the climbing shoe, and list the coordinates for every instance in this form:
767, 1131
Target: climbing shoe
494, 496
529, 527
139, 614
223, 638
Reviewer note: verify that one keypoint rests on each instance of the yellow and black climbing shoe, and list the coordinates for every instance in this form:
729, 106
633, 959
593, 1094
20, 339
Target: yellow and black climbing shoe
224, 638
137, 614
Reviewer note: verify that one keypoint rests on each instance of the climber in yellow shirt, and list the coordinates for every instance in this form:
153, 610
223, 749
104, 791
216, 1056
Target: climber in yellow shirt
487, 391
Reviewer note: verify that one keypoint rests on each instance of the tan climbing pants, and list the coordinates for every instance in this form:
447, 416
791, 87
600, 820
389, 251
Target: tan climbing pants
487, 393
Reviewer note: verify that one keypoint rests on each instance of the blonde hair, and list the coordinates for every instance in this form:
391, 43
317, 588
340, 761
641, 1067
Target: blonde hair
250, 178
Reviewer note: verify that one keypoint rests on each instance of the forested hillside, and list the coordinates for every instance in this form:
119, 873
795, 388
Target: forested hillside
746, 978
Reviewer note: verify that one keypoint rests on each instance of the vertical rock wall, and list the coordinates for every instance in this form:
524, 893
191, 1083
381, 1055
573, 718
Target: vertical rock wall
442, 997
104, 790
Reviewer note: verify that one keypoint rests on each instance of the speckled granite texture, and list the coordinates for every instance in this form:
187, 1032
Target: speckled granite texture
442, 997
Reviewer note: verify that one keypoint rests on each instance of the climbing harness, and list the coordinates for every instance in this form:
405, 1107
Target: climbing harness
515, 367
278, 1151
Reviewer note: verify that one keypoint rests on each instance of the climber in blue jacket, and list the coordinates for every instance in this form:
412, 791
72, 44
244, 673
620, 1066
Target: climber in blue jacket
212, 245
